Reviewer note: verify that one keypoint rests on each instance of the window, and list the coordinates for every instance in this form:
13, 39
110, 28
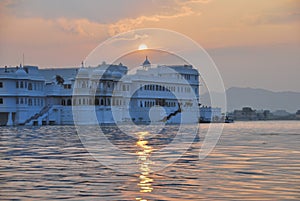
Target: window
1, 84
21, 84
67, 86
29, 86
1, 100
17, 84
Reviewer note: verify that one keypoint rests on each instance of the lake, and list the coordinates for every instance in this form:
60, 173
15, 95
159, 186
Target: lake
251, 161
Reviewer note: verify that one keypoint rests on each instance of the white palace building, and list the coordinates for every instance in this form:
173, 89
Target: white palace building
33, 96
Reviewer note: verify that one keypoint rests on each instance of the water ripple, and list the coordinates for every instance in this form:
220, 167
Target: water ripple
252, 161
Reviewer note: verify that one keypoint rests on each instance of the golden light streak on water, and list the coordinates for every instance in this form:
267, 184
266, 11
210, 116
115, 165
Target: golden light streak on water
145, 183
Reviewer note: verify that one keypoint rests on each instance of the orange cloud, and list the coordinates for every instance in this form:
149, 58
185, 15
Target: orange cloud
132, 23
82, 27
221, 24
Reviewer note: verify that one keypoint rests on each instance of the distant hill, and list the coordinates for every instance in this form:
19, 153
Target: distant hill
258, 99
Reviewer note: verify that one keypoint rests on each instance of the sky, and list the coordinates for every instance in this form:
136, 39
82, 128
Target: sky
254, 43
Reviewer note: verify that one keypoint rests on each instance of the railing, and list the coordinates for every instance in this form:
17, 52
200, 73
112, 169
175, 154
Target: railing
37, 115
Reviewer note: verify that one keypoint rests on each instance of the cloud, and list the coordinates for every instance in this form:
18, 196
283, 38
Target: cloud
271, 18
128, 24
193, 1
82, 27
172, 10
132, 37
8, 3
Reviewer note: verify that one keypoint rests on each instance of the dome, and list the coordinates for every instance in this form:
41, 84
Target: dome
97, 73
146, 62
83, 73
117, 74
107, 73
21, 72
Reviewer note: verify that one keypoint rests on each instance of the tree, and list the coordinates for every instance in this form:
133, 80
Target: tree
59, 80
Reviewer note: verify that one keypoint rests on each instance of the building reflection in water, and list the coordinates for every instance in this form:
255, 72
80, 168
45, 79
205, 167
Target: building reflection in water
144, 153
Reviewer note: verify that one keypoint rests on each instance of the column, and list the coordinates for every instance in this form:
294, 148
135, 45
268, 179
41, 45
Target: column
10, 121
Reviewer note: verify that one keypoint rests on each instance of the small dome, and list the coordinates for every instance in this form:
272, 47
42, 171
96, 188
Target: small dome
98, 73
107, 73
21, 72
146, 62
83, 73
117, 74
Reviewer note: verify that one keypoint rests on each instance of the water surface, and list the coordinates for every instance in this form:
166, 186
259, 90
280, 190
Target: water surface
252, 161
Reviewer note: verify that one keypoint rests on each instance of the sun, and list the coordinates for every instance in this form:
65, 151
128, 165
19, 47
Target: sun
143, 47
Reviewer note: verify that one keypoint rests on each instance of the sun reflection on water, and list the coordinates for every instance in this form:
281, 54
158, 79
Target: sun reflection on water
144, 161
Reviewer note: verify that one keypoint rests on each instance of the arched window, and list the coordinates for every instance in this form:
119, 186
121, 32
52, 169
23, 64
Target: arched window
69, 102
102, 101
96, 101
63, 102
